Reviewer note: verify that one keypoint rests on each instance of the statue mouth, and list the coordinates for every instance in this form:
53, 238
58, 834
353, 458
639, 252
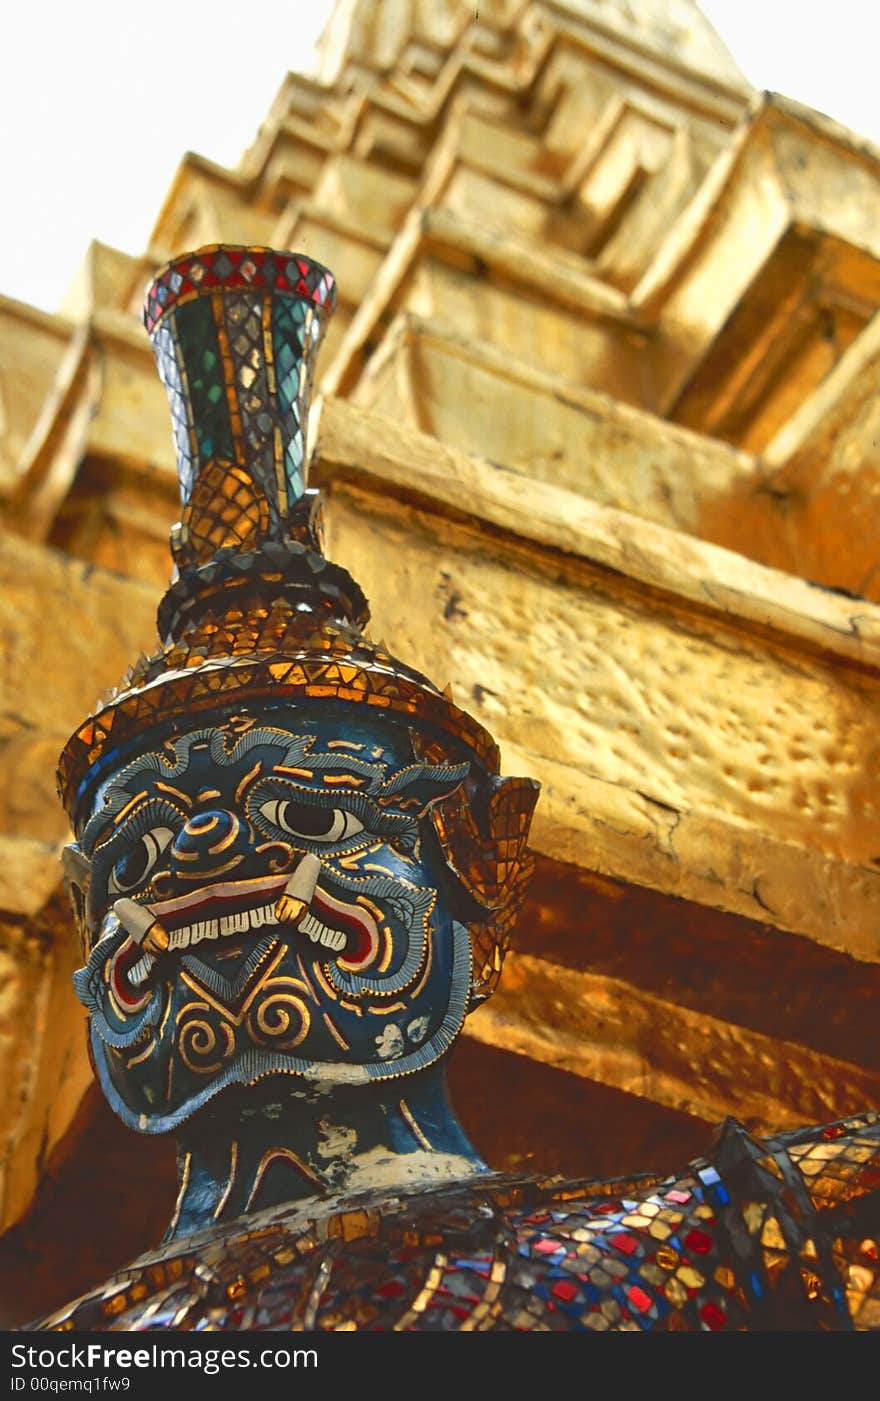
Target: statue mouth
219, 918
218, 911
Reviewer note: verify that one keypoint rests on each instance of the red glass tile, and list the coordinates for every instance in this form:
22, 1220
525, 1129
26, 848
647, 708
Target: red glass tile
712, 1316
628, 1244
564, 1290
639, 1299
698, 1241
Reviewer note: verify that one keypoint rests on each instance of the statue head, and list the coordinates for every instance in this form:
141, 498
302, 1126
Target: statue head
294, 854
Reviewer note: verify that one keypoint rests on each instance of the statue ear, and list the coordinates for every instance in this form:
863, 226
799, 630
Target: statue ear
77, 870
486, 847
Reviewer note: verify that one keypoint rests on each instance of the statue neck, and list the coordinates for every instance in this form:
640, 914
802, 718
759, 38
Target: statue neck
280, 1140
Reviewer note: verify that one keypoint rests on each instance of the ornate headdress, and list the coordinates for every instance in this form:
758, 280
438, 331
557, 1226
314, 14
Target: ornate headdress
255, 612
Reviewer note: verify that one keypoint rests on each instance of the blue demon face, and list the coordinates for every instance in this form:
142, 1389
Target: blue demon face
266, 896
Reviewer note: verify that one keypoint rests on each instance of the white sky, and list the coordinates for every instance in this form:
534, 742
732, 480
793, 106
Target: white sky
99, 99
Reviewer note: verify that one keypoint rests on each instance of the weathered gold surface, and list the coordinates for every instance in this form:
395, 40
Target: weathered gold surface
44, 1069
51, 675
563, 435
600, 396
69, 631
620, 1036
32, 345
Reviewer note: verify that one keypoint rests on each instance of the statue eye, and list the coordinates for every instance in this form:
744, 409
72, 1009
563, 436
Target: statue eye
135, 865
314, 823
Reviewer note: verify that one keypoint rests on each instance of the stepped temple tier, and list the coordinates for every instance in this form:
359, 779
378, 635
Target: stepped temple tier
519, 971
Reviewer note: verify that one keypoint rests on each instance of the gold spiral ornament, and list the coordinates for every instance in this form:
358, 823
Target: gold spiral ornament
280, 1018
203, 1045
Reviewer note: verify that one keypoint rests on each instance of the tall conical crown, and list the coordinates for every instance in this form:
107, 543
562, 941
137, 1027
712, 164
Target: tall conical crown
236, 333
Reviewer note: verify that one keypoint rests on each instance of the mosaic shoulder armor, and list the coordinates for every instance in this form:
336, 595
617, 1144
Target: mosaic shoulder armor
757, 1235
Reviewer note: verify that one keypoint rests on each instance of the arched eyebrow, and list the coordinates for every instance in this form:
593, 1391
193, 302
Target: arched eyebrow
120, 805
419, 785
116, 806
153, 768
408, 786
412, 786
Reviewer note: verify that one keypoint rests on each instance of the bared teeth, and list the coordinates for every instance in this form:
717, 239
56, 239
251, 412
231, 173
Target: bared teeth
239, 923
320, 934
245, 920
141, 922
139, 973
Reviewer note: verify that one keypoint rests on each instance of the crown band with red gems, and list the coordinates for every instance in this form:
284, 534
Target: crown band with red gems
224, 267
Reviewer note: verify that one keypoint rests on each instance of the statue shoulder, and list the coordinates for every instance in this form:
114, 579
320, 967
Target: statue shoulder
758, 1234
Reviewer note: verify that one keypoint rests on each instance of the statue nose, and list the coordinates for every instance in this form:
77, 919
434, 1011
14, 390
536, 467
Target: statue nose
212, 838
